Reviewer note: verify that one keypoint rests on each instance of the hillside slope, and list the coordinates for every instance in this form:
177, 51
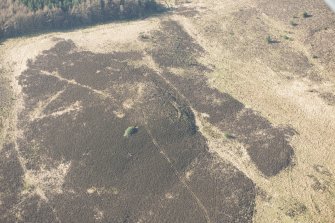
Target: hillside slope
234, 102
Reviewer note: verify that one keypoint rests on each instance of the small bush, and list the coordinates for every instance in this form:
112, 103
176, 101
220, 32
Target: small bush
130, 131
227, 135
270, 40
286, 37
293, 23
306, 15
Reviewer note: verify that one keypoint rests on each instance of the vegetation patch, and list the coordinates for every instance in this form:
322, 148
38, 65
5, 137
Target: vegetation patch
286, 37
296, 209
130, 131
328, 97
41, 4
29, 16
270, 40
293, 23
228, 135
176, 47
306, 15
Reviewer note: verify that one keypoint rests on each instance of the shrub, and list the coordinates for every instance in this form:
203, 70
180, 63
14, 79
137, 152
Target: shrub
288, 38
293, 23
227, 135
130, 131
270, 40
306, 15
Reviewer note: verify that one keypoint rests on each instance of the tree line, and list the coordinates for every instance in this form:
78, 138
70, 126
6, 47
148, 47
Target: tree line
41, 4
18, 17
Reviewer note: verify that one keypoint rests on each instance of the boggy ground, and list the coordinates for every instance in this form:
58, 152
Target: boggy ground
222, 135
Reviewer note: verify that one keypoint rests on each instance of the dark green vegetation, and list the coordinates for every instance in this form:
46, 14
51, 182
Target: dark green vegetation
286, 37
306, 15
41, 4
130, 131
29, 16
228, 135
270, 40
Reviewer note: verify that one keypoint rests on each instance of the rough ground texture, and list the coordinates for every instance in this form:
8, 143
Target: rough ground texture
231, 127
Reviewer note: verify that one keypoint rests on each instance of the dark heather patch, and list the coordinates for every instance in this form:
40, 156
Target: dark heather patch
5, 93
319, 185
268, 146
7, 100
187, 11
179, 208
296, 210
173, 47
328, 97
209, 175
10, 181
35, 210
131, 176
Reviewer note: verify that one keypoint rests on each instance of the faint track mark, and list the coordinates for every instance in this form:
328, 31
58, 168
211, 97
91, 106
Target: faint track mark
37, 112
177, 173
73, 82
